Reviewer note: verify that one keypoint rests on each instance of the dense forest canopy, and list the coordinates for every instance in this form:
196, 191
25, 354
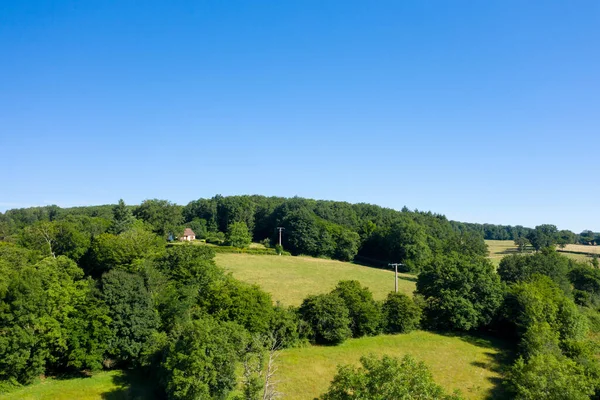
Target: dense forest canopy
319, 228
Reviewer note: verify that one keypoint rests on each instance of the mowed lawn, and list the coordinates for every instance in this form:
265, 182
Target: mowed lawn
469, 364
109, 385
291, 279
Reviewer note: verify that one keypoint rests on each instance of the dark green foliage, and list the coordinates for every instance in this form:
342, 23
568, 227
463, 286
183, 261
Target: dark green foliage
194, 265
328, 318
163, 216
467, 243
55, 238
384, 379
42, 308
134, 318
199, 227
400, 314
586, 282
543, 236
284, 326
547, 376
123, 251
89, 332
238, 235
364, 312
406, 242
247, 305
461, 292
522, 268
541, 301
200, 362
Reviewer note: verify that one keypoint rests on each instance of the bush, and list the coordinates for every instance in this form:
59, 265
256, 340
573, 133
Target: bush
238, 235
134, 319
549, 376
328, 318
524, 268
400, 314
245, 304
384, 379
200, 362
365, 315
461, 292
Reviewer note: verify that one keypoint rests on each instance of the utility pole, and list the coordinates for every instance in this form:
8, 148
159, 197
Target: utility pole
395, 265
280, 229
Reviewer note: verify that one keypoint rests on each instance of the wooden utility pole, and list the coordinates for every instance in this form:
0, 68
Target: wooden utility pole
395, 265
280, 229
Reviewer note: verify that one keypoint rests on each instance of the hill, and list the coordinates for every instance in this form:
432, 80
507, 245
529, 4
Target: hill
291, 279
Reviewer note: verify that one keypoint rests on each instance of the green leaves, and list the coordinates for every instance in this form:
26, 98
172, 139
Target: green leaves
328, 316
461, 292
238, 235
384, 379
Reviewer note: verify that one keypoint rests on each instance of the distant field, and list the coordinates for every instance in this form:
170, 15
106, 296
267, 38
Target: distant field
501, 248
580, 248
109, 385
469, 364
291, 279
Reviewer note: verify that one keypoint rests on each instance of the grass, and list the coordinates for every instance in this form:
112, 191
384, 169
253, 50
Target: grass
470, 364
107, 385
580, 248
501, 248
291, 279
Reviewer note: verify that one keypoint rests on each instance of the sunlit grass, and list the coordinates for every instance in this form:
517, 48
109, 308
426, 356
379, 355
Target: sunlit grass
469, 364
109, 385
291, 279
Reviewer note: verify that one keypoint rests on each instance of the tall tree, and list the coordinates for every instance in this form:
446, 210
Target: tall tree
163, 216
461, 292
122, 218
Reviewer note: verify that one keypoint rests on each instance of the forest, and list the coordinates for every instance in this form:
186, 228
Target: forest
104, 287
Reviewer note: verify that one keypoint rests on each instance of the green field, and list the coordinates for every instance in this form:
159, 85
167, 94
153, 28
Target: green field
469, 364
291, 279
111, 385
501, 248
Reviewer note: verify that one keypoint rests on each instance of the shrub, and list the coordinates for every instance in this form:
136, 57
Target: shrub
365, 315
400, 313
134, 319
200, 362
461, 292
238, 235
328, 318
384, 379
549, 376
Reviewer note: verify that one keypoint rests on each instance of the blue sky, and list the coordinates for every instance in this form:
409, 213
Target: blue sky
485, 111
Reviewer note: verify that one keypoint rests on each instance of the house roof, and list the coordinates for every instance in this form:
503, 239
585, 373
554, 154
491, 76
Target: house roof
188, 232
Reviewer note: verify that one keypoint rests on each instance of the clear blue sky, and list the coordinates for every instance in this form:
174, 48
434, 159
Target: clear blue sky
485, 111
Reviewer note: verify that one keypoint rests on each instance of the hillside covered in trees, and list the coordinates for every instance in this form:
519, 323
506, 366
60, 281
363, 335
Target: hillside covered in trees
317, 228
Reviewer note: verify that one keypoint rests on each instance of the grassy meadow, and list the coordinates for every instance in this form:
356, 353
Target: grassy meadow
108, 385
291, 279
472, 365
501, 248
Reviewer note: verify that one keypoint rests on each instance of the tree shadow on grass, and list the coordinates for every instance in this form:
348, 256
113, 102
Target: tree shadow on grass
133, 385
498, 361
